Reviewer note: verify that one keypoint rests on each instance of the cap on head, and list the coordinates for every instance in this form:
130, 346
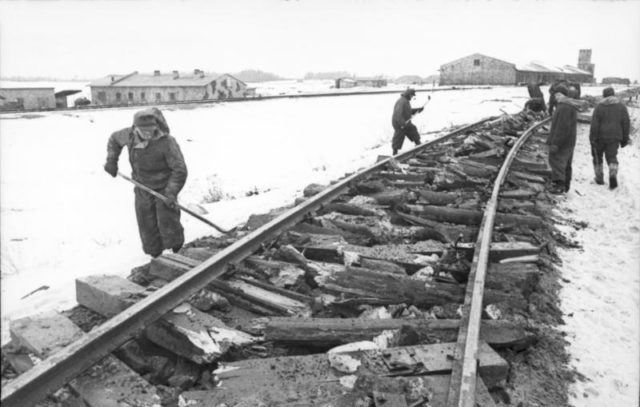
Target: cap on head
410, 92
606, 92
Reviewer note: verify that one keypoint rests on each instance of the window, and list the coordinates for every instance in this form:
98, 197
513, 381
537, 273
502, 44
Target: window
158, 96
172, 96
143, 96
102, 96
130, 96
476, 62
118, 96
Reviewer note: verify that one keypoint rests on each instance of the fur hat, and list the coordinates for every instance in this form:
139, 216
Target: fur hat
149, 117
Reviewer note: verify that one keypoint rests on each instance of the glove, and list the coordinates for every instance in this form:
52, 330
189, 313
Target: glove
171, 201
553, 148
624, 143
111, 168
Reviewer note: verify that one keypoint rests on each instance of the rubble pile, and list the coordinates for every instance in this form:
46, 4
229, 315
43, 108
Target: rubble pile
359, 304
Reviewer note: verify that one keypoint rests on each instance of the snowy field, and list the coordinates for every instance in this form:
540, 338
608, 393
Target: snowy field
63, 217
601, 294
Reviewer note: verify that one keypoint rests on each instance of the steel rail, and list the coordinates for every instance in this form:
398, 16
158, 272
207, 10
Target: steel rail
462, 387
61, 367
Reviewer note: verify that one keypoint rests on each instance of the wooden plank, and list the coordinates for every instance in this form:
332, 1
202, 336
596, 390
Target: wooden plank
174, 265
471, 217
186, 331
361, 286
107, 384
504, 250
338, 331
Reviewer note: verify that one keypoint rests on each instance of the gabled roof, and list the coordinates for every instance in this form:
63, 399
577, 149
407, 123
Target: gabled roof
537, 66
68, 92
573, 69
475, 56
164, 80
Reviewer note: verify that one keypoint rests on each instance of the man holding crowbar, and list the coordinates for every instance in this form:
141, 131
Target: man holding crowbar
159, 173
401, 120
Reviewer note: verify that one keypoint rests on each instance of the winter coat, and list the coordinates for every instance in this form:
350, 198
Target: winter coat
402, 112
157, 163
610, 122
564, 124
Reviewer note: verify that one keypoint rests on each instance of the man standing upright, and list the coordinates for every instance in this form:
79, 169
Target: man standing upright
562, 139
609, 128
156, 162
402, 126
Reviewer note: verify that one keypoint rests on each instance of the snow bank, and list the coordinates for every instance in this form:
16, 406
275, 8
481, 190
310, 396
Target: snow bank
601, 294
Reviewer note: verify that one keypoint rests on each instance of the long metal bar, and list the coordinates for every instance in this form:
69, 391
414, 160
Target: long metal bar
184, 209
462, 387
57, 370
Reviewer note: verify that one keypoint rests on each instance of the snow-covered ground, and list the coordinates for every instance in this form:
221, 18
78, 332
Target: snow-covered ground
601, 293
62, 216
294, 87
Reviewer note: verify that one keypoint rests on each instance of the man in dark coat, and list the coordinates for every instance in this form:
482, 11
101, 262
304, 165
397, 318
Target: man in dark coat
576, 92
402, 126
562, 140
609, 128
156, 162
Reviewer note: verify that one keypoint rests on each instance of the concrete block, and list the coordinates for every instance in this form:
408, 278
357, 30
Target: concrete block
108, 295
109, 383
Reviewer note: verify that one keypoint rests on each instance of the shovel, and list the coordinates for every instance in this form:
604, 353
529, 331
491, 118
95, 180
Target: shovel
187, 210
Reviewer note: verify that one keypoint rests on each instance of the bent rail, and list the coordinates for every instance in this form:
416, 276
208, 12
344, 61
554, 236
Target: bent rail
462, 387
60, 368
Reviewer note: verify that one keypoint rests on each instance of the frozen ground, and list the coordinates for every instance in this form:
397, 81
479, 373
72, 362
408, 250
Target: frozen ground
63, 217
601, 293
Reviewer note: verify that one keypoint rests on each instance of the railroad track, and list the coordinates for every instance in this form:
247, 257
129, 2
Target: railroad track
394, 238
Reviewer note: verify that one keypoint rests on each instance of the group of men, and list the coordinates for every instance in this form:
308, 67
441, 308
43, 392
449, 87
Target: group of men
157, 162
609, 130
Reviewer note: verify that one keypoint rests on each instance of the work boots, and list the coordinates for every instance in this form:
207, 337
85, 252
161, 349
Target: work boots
557, 188
599, 173
613, 176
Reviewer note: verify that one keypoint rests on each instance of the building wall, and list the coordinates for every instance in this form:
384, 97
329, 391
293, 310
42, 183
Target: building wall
137, 95
478, 70
29, 99
227, 87
224, 87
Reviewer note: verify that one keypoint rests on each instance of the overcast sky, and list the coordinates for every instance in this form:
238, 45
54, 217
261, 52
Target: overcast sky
90, 39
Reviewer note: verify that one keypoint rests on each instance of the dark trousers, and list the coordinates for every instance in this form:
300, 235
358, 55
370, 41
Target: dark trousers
607, 149
158, 224
560, 163
409, 131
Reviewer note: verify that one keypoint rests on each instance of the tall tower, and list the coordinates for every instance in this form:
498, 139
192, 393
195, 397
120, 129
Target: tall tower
584, 61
